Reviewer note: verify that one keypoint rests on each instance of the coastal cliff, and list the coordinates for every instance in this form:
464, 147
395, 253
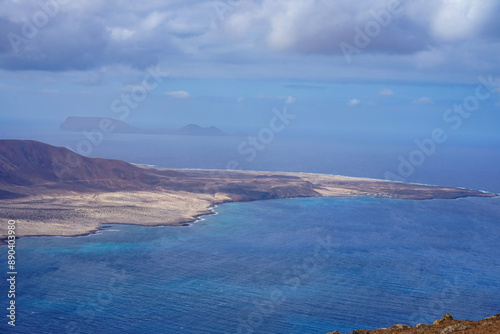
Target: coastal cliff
53, 191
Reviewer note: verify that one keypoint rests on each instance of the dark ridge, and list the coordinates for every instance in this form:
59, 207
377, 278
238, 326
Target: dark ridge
31, 163
32, 168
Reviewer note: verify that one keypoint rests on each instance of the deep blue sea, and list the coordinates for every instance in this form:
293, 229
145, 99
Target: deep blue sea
309, 265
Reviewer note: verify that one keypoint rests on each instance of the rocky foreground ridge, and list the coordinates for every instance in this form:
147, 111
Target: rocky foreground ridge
445, 325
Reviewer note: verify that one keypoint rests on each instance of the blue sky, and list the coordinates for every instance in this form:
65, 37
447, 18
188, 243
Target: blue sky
367, 65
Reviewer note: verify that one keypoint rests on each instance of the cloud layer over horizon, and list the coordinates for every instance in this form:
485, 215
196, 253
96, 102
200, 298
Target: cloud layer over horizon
219, 38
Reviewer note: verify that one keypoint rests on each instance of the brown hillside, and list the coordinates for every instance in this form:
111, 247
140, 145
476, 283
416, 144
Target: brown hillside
31, 163
445, 325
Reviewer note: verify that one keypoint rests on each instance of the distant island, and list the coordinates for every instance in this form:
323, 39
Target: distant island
51, 190
78, 124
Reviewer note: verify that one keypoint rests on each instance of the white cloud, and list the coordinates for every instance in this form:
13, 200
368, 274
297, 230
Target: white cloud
353, 102
153, 20
318, 27
444, 40
423, 100
461, 19
120, 34
386, 92
290, 100
178, 94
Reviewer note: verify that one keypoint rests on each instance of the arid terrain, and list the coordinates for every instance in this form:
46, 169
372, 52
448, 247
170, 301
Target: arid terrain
50, 190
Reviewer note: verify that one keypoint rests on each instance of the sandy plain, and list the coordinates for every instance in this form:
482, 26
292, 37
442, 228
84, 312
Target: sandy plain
182, 199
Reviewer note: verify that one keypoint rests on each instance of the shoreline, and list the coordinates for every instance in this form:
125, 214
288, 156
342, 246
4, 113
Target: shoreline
183, 196
180, 197
305, 173
447, 323
186, 223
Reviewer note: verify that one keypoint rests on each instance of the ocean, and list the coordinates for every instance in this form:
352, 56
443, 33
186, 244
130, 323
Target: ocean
308, 265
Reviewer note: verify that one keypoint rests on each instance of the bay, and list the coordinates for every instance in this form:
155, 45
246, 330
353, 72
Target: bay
309, 265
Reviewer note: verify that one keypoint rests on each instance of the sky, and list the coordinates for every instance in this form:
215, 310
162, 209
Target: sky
340, 65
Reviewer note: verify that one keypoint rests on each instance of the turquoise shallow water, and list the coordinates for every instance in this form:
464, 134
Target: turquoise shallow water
308, 265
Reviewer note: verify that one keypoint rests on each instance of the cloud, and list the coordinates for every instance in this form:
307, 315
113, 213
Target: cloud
386, 92
353, 102
290, 100
88, 34
461, 19
120, 34
423, 100
319, 27
240, 99
179, 94
274, 38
